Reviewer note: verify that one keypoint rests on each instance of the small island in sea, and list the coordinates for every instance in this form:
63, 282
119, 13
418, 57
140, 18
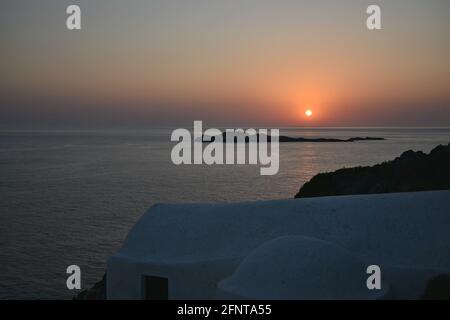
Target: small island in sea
238, 138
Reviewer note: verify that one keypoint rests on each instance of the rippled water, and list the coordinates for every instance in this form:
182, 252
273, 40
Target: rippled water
71, 197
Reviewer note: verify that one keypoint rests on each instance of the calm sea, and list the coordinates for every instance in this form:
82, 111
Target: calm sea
71, 197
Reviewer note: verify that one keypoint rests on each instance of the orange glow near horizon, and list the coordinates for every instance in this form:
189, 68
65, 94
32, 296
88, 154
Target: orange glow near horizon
265, 65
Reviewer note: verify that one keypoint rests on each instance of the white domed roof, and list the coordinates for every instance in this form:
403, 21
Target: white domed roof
296, 267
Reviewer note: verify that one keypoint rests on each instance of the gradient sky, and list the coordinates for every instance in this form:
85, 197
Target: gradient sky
231, 63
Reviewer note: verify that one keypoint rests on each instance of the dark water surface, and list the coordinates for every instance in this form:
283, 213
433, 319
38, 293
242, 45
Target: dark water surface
71, 197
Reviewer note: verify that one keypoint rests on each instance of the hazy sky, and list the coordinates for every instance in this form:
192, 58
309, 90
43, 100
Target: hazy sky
231, 63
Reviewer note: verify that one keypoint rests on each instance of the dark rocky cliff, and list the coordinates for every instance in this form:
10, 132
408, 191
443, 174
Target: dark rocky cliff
412, 171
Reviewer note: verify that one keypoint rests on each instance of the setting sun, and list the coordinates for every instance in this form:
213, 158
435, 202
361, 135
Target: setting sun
308, 113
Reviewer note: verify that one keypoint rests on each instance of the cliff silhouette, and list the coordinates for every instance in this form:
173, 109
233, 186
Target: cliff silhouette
412, 171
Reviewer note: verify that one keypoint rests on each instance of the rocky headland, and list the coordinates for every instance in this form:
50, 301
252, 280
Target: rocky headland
412, 171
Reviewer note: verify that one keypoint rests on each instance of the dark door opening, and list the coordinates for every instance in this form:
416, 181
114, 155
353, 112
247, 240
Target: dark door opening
156, 288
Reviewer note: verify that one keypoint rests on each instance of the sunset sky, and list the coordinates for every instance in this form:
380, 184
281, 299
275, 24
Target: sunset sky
228, 63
